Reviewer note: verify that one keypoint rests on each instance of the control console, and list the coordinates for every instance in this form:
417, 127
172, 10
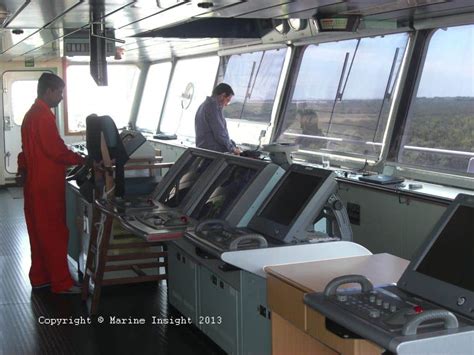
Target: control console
120, 206
216, 236
383, 314
431, 310
156, 225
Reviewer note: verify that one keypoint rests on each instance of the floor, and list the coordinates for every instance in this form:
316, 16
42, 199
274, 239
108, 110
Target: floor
24, 313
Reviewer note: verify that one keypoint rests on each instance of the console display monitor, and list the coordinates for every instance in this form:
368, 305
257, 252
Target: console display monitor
445, 260
300, 194
455, 245
183, 175
184, 181
290, 197
225, 190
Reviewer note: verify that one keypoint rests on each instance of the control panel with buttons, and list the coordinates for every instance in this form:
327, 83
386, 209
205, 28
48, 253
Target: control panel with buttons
387, 315
384, 307
216, 236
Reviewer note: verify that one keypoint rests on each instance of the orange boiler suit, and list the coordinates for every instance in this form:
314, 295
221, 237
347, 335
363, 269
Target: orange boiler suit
44, 158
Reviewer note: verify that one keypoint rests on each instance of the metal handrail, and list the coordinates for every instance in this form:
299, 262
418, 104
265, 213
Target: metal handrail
407, 147
437, 150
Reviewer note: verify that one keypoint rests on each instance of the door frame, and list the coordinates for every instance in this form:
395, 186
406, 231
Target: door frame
6, 176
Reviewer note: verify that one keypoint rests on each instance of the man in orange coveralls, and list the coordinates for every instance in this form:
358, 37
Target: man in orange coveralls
43, 160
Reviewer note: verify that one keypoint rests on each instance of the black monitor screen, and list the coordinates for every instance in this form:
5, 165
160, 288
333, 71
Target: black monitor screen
291, 196
132, 140
224, 191
185, 180
451, 257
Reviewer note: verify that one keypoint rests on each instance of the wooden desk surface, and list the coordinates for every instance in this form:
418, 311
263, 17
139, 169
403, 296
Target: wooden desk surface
381, 269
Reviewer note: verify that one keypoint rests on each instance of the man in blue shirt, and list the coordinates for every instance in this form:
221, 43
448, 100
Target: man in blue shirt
210, 124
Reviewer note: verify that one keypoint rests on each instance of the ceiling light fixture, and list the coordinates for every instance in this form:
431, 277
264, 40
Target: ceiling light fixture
205, 4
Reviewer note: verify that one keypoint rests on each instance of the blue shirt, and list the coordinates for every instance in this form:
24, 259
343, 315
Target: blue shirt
211, 127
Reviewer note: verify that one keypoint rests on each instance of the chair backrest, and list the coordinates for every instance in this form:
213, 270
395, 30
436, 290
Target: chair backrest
93, 129
98, 127
95, 125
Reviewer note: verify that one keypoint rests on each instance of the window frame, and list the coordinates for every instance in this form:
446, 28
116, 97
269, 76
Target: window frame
337, 159
270, 126
140, 101
390, 162
67, 132
185, 139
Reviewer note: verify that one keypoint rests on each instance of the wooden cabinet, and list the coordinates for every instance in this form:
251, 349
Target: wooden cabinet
287, 301
316, 327
288, 339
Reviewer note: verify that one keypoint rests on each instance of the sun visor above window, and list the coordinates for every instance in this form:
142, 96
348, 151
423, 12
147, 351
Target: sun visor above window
215, 28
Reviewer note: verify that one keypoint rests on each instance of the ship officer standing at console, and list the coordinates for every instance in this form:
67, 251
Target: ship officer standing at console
44, 160
210, 124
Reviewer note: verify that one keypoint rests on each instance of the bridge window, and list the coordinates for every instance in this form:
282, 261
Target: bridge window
342, 97
439, 133
254, 78
193, 79
153, 97
85, 97
23, 95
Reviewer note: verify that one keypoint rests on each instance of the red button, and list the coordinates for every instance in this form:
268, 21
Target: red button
418, 309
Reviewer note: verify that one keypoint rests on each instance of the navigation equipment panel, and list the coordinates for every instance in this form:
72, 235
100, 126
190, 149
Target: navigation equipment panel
431, 310
445, 261
292, 204
226, 188
185, 180
183, 175
290, 197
